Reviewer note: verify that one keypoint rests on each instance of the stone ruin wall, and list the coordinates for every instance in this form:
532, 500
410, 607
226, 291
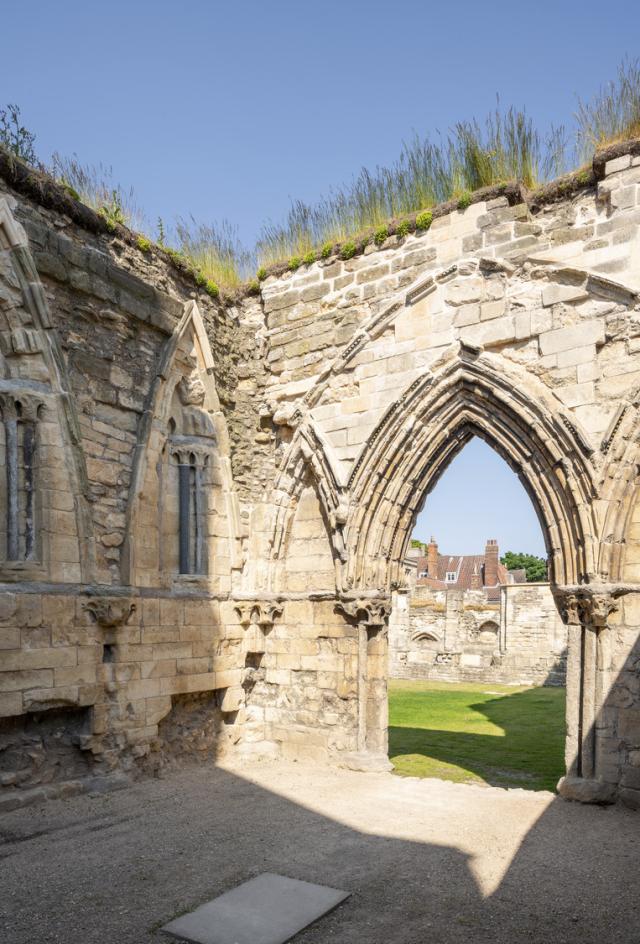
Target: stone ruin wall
315, 416
457, 636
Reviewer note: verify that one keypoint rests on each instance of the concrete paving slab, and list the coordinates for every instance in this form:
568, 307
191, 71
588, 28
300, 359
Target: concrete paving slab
268, 909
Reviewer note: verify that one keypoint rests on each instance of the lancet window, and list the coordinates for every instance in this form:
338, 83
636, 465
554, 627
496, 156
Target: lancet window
191, 445
20, 428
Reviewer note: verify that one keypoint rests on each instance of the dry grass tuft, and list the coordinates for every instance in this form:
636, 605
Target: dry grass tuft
612, 115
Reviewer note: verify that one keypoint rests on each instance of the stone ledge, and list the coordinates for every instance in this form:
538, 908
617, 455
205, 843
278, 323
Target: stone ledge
364, 762
18, 799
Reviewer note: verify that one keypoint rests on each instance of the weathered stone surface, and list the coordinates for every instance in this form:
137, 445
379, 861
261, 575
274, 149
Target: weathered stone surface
193, 457
586, 791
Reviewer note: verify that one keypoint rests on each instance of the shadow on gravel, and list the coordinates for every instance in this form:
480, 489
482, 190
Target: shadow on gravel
172, 844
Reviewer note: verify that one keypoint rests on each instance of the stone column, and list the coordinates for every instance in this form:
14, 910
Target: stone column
371, 618
586, 612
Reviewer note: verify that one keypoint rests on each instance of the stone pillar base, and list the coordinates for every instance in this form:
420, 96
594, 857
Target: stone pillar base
586, 791
365, 762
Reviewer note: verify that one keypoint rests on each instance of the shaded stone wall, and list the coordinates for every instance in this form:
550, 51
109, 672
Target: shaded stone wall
109, 349
298, 432
458, 636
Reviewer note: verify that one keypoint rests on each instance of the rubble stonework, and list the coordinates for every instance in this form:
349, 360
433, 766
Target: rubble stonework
171, 459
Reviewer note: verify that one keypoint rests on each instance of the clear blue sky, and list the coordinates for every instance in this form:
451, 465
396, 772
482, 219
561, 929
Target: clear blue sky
228, 110
477, 498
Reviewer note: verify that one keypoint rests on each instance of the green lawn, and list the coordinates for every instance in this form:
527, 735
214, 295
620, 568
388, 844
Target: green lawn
493, 734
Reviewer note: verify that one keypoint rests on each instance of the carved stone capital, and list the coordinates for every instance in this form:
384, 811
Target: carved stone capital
110, 614
596, 609
586, 607
287, 414
262, 613
568, 603
372, 614
20, 405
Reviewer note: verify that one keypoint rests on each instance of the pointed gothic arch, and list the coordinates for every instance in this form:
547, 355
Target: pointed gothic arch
35, 394
182, 402
428, 425
308, 457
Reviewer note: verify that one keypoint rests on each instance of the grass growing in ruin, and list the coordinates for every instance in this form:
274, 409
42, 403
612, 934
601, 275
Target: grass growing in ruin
613, 114
495, 734
96, 188
505, 146
215, 251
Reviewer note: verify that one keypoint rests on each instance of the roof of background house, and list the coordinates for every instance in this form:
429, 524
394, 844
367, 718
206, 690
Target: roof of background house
464, 566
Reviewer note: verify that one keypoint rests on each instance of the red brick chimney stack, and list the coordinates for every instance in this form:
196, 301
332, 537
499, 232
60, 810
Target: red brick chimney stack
432, 558
491, 560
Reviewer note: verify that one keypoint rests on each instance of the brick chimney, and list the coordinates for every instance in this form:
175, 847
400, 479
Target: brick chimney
491, 560
476, 582
432, 558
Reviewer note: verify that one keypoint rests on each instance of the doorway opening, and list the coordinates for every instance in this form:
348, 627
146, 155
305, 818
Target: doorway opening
477, 648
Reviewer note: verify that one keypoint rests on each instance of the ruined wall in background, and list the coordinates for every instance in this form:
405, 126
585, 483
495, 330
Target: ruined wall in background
458, 636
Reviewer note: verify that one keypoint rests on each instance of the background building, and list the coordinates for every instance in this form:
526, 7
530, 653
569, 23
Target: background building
467, 618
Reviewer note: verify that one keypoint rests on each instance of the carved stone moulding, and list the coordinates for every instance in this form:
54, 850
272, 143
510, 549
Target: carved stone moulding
110, 614
373, 614
588, 607
257, 618
261, 613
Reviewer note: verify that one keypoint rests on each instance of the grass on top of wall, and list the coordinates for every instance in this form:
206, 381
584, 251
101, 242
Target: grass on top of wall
505, 146
494, 734
613, 114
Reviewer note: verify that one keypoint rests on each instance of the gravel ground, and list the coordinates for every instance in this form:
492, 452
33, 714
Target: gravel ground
425, 860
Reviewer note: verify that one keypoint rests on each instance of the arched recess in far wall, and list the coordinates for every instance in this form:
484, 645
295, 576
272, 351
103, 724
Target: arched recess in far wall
307, 542
182, 414
429, 424
54, 539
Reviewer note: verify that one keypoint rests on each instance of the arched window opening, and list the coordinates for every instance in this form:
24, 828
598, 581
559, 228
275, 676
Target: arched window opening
186, 474
19, 423
191, 518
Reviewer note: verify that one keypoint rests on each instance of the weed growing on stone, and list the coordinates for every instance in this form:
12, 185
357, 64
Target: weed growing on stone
14, 136
95, 187
504, 147
380, 235
424, 220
